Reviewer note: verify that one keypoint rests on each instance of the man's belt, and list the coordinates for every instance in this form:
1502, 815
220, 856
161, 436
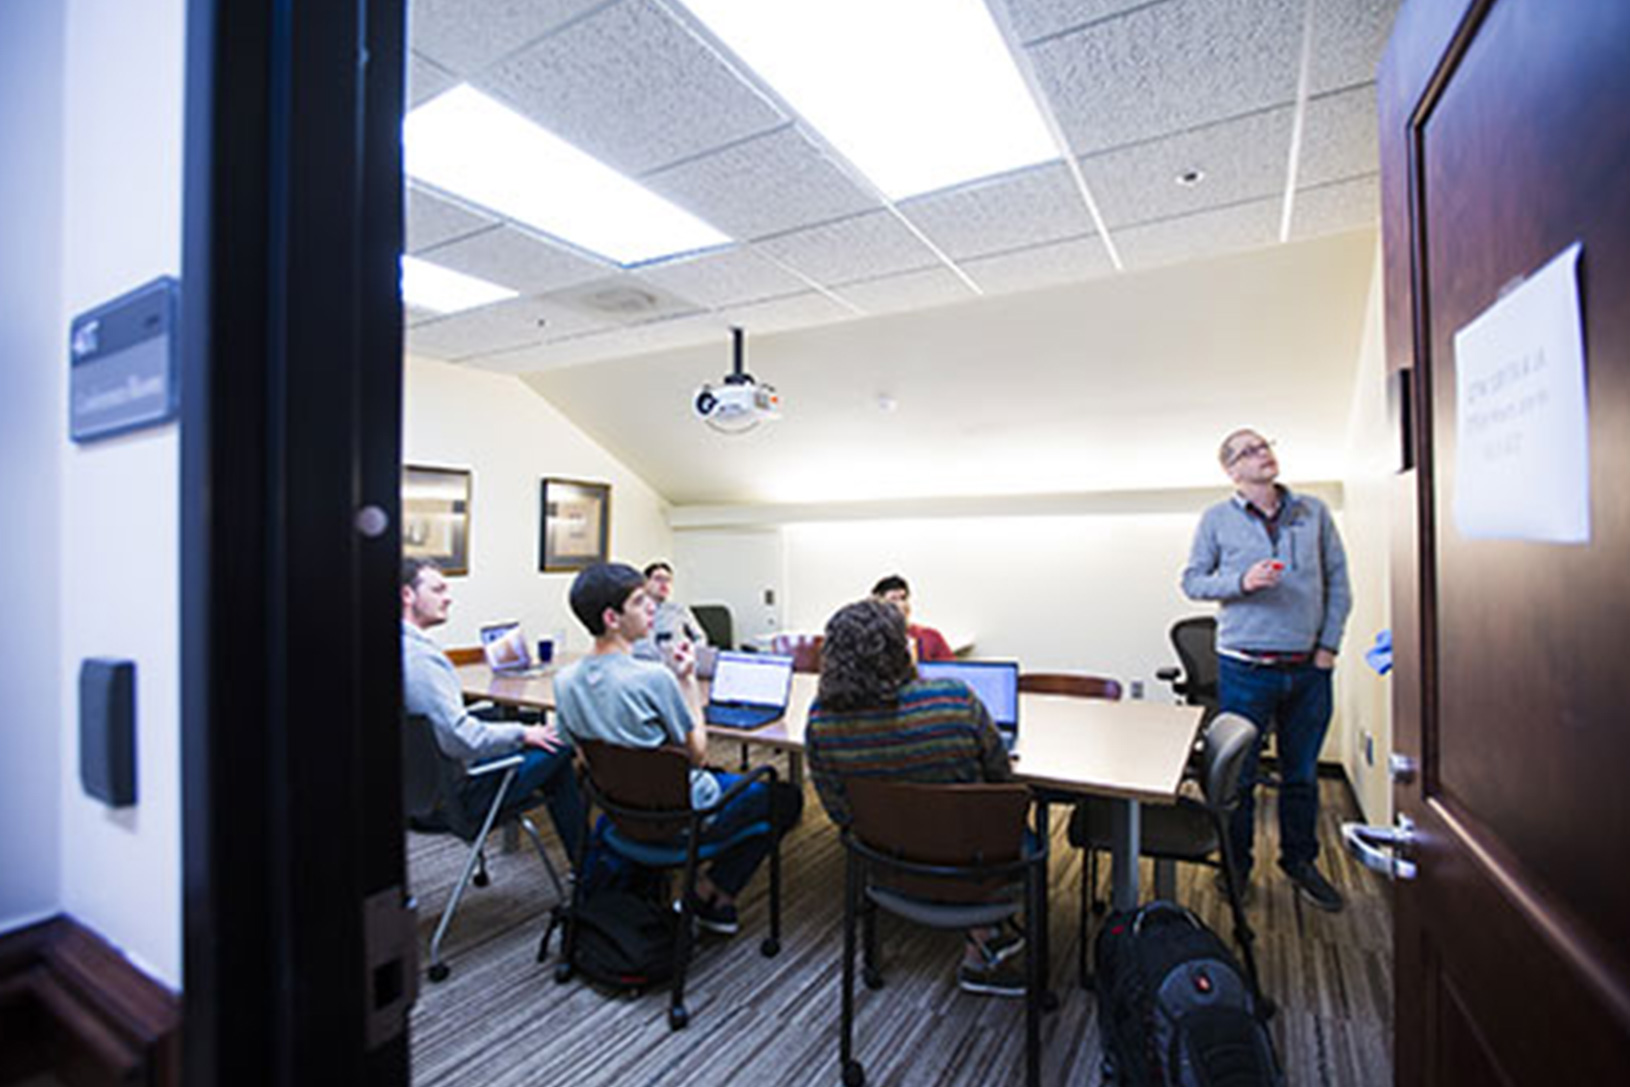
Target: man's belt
1271, 657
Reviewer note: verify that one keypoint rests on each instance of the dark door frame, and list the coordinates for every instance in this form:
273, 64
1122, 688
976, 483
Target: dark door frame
290, 433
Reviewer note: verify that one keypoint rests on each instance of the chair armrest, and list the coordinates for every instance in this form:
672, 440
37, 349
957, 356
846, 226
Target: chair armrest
492, 766
765, 770
1167, 675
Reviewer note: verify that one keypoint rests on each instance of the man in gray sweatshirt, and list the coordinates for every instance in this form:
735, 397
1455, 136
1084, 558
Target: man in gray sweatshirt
1272, 559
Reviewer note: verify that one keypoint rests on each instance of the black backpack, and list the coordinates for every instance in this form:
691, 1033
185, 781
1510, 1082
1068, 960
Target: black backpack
623, 938
1174, 1007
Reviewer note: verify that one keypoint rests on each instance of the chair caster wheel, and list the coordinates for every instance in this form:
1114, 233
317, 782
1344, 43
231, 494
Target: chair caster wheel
678, 1017
854, 1075
873, 979
438, 971
563, 972
770, 948
480, 879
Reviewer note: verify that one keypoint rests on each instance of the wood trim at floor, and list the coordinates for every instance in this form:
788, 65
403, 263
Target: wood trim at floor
71, 1005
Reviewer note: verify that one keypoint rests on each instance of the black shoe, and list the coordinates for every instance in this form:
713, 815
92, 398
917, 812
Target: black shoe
1001, 947
991, 978
1313, 887
714, 917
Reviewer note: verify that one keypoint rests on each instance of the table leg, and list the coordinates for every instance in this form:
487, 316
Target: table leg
1166, 880
795, 768
1039, 927
1128, 843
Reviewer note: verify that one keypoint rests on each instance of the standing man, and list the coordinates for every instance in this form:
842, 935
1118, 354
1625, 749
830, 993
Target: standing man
672, 624
1274, 562
430, 687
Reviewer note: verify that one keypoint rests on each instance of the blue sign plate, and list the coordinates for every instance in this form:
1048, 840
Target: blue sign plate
122, 360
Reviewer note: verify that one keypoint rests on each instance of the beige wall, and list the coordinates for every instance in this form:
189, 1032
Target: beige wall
511, 438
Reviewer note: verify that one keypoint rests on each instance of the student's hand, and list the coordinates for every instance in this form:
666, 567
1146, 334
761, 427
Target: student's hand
542, 737
1324, 659
1263, 575
683, 658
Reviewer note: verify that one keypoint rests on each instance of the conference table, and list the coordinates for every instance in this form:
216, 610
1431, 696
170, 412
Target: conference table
1134, 752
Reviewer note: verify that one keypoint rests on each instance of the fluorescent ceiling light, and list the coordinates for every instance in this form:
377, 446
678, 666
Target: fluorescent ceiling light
919, 94
469, 145
432, 287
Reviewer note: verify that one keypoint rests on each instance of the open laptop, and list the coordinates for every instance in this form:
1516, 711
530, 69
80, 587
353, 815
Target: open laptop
749, 689
995, 682
507, 652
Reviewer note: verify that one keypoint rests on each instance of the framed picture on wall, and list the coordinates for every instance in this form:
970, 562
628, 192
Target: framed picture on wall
576, 524
436, 516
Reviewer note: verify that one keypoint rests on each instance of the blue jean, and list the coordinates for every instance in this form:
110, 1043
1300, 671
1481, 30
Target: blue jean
758, 802
1294, 702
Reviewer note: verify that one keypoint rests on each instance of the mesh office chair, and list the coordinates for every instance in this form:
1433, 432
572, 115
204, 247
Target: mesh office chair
944, 856
1195, 640
717, 624
435, 791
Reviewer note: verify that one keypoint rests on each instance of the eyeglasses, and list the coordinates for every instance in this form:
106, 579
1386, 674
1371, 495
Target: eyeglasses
1255, 449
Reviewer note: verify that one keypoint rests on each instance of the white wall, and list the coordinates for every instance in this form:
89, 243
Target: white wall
32, 412
510, 437
1364, 699
120, 583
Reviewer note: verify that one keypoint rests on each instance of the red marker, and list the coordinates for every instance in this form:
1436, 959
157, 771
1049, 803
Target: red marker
1276, 565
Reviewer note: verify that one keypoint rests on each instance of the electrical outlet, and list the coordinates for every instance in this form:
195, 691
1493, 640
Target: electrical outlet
1137, 688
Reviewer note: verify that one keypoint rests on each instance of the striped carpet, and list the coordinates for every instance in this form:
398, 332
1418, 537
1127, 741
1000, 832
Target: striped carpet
501, 1019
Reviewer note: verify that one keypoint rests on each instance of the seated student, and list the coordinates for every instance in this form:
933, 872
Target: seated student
612, 697
872, 715
927, 644
430, 687
672, 623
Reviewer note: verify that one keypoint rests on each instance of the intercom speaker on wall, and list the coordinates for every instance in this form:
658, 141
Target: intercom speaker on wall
107, 730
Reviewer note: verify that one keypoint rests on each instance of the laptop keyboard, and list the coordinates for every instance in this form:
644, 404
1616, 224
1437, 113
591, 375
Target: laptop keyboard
741, 716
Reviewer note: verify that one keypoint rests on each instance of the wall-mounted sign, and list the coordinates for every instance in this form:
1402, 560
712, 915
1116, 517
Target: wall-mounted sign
122, 363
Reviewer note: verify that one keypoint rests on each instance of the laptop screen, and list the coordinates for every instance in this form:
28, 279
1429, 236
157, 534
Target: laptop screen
995, 682
505, 646
758, 679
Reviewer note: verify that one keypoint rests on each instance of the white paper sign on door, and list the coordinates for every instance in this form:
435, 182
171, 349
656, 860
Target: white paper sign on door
1522, 461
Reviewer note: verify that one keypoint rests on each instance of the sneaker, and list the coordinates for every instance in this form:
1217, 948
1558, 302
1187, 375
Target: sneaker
1312, 886
1247, 889
1007, 943
991, 978
714, 917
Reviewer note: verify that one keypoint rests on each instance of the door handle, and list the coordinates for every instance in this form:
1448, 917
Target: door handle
1377, 848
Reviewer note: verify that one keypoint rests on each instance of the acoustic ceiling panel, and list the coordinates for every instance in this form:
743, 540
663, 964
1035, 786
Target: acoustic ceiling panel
766, 185
1340, 137
722, 278
1333, 209
1033, 19
1027, 207
501, 326
426, 79
633, 88
1195, 237
930, 287
1169, 67
875, 244
1041, 266
464, 36
1242, 159
518, 259
433, 220
802, 310
1349, 37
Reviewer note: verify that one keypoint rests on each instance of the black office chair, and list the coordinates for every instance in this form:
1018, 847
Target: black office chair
434, 797
717, 624
1195, 640
645, 792
1194, 830
944, 856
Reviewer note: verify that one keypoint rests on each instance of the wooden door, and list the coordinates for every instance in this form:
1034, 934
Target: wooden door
1505, 131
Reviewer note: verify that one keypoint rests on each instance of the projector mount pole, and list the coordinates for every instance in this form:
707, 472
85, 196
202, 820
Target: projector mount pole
738, 374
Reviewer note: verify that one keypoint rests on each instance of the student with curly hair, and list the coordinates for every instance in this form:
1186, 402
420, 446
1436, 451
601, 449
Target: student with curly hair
874, 717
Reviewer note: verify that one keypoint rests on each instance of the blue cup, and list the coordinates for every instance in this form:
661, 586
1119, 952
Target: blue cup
546, 650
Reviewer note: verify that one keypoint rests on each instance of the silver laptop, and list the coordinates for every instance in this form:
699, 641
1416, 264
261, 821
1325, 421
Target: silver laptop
749, 689
995, 682
507, 652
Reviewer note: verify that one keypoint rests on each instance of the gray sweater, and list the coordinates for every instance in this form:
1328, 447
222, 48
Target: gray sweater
430, 687
1306, 610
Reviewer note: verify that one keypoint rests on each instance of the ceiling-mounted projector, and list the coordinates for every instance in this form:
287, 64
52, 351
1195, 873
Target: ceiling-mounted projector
738, 403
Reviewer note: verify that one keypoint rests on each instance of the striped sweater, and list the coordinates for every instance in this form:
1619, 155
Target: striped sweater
937, 731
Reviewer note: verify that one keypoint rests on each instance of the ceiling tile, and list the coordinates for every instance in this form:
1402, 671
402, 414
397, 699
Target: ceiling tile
863, 247
1349, 37
616, 343
1023, 208
1331, 209
936, 286
633, 88
1034, 19
722, 278
464, 36
1169, 67
1041, 266
793, 311
1340, 138
766, 185
1195, 237
519, 260
426, 79
433, 219
1242, 159
502, 326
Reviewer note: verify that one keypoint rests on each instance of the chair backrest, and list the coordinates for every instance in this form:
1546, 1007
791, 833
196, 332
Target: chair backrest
716, 621
1072, 684
432, 782
645, 790
804, 649
1195, 640
941, 825
1228, 739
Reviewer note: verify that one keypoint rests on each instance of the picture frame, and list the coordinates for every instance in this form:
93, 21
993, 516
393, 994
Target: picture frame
436, 517
574, 529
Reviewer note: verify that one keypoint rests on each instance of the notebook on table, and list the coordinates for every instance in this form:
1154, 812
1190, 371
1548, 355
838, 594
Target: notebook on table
996, 683
507, 653
749, 689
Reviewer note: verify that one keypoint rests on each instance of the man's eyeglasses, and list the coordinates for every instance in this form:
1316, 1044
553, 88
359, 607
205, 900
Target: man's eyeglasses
1255, 449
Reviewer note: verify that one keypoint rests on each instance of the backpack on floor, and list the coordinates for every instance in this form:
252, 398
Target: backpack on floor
1174, 1007
624, 939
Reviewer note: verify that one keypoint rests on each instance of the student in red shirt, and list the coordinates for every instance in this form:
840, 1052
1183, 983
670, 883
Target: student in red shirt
927, 644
